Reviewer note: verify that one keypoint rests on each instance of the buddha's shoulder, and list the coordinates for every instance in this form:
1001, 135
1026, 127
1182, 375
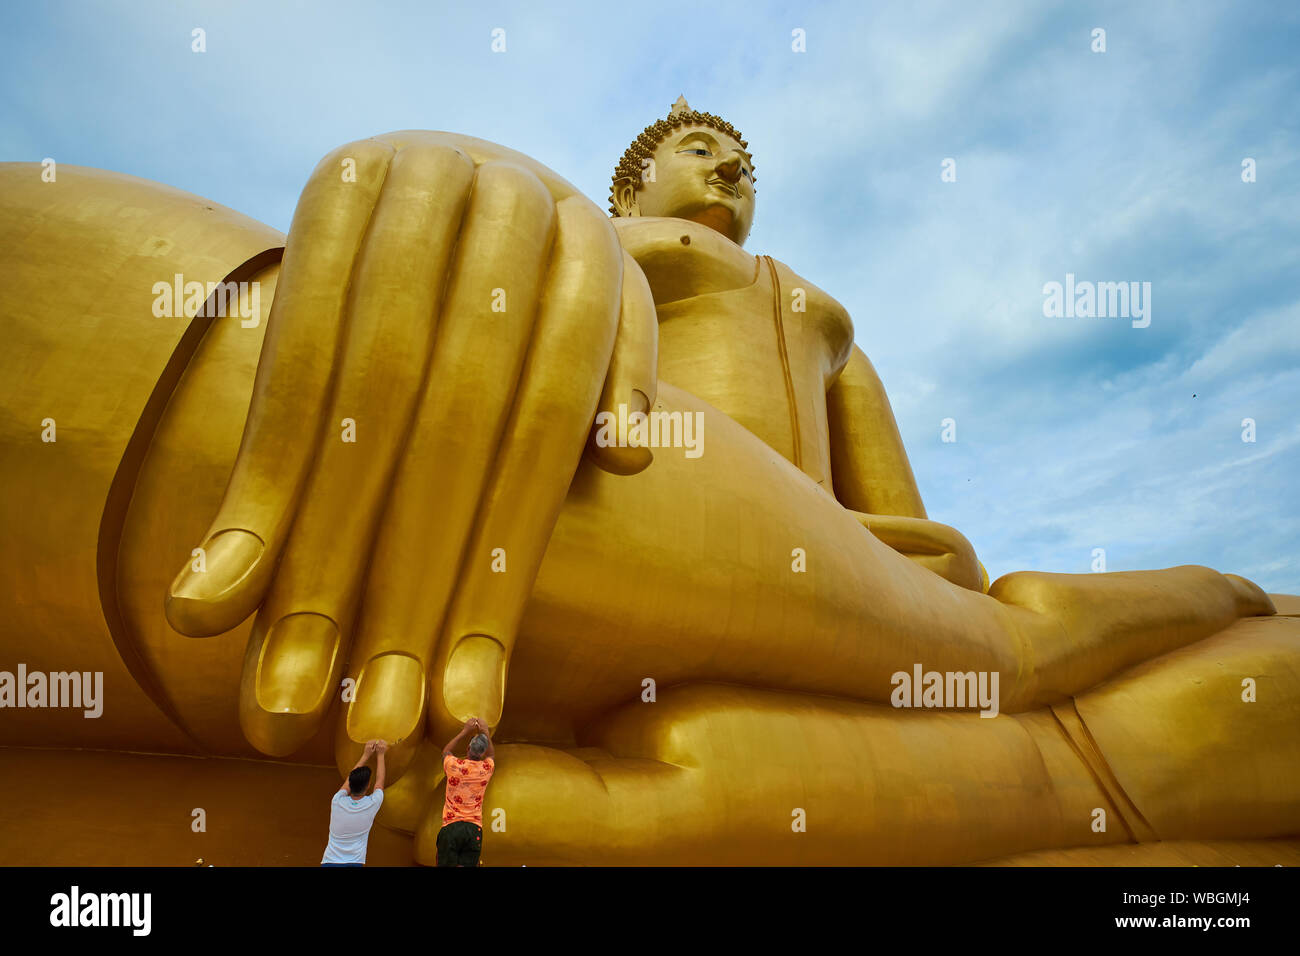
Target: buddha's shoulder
681, 258
821, 311
809, 296
656, 235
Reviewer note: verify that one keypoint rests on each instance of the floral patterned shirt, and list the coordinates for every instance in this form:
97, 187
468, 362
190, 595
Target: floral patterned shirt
467, 782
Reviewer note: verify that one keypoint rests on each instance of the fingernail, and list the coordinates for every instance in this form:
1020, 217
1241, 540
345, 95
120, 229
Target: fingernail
228, 557
296, 662
473, 685
389, 698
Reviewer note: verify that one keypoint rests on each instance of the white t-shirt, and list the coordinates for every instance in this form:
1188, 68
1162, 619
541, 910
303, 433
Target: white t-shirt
350, 822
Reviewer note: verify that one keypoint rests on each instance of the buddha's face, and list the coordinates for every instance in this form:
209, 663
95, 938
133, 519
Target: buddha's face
700, 174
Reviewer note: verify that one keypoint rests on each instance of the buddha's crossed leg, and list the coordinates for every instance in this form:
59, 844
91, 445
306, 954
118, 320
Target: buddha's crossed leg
684, 574
734, 566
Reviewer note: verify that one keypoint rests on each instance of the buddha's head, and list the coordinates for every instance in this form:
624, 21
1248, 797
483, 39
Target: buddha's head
689, 166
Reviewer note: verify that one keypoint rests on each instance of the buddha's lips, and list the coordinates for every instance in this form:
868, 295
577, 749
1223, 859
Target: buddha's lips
734, 190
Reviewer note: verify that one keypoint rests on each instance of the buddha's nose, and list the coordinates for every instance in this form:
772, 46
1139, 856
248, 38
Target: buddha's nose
729, 167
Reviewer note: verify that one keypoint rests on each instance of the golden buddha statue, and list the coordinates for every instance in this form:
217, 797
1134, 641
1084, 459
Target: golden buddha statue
386, 485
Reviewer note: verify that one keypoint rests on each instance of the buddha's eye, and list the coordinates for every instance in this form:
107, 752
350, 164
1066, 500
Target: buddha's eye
746, 174
697, 150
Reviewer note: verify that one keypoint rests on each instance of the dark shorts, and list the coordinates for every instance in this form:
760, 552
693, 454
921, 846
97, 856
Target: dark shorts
459, 844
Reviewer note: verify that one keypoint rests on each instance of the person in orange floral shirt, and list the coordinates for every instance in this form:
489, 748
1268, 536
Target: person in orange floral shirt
461, 838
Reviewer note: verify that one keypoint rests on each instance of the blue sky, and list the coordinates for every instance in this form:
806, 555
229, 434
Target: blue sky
1072, 433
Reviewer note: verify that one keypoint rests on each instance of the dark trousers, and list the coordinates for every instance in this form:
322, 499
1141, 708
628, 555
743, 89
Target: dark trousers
459, 844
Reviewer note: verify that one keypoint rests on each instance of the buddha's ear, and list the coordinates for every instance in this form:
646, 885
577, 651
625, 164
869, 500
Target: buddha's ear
624, 197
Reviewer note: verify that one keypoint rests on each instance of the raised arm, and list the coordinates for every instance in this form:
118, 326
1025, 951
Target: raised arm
380, 747
873, 477
451, 744
482, 728
365, 756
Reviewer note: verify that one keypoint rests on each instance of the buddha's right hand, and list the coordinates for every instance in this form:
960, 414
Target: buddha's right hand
429, 281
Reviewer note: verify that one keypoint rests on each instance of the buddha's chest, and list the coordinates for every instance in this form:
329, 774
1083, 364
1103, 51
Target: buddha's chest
730, 308
754, 356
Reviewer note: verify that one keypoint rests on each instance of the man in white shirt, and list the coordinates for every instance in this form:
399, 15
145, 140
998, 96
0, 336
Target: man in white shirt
352, 811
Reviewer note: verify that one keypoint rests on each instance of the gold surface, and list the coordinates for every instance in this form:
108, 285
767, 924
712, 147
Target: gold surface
1284, 852
475, 552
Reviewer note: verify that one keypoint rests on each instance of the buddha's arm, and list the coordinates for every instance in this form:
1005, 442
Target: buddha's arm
873, 477
870, 466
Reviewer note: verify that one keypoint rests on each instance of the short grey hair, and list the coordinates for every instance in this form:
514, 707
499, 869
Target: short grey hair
478, 745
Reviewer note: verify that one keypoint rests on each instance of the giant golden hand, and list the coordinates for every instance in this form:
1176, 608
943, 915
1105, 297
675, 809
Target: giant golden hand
446, 315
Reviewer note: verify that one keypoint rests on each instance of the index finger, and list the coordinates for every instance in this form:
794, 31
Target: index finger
246, 536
